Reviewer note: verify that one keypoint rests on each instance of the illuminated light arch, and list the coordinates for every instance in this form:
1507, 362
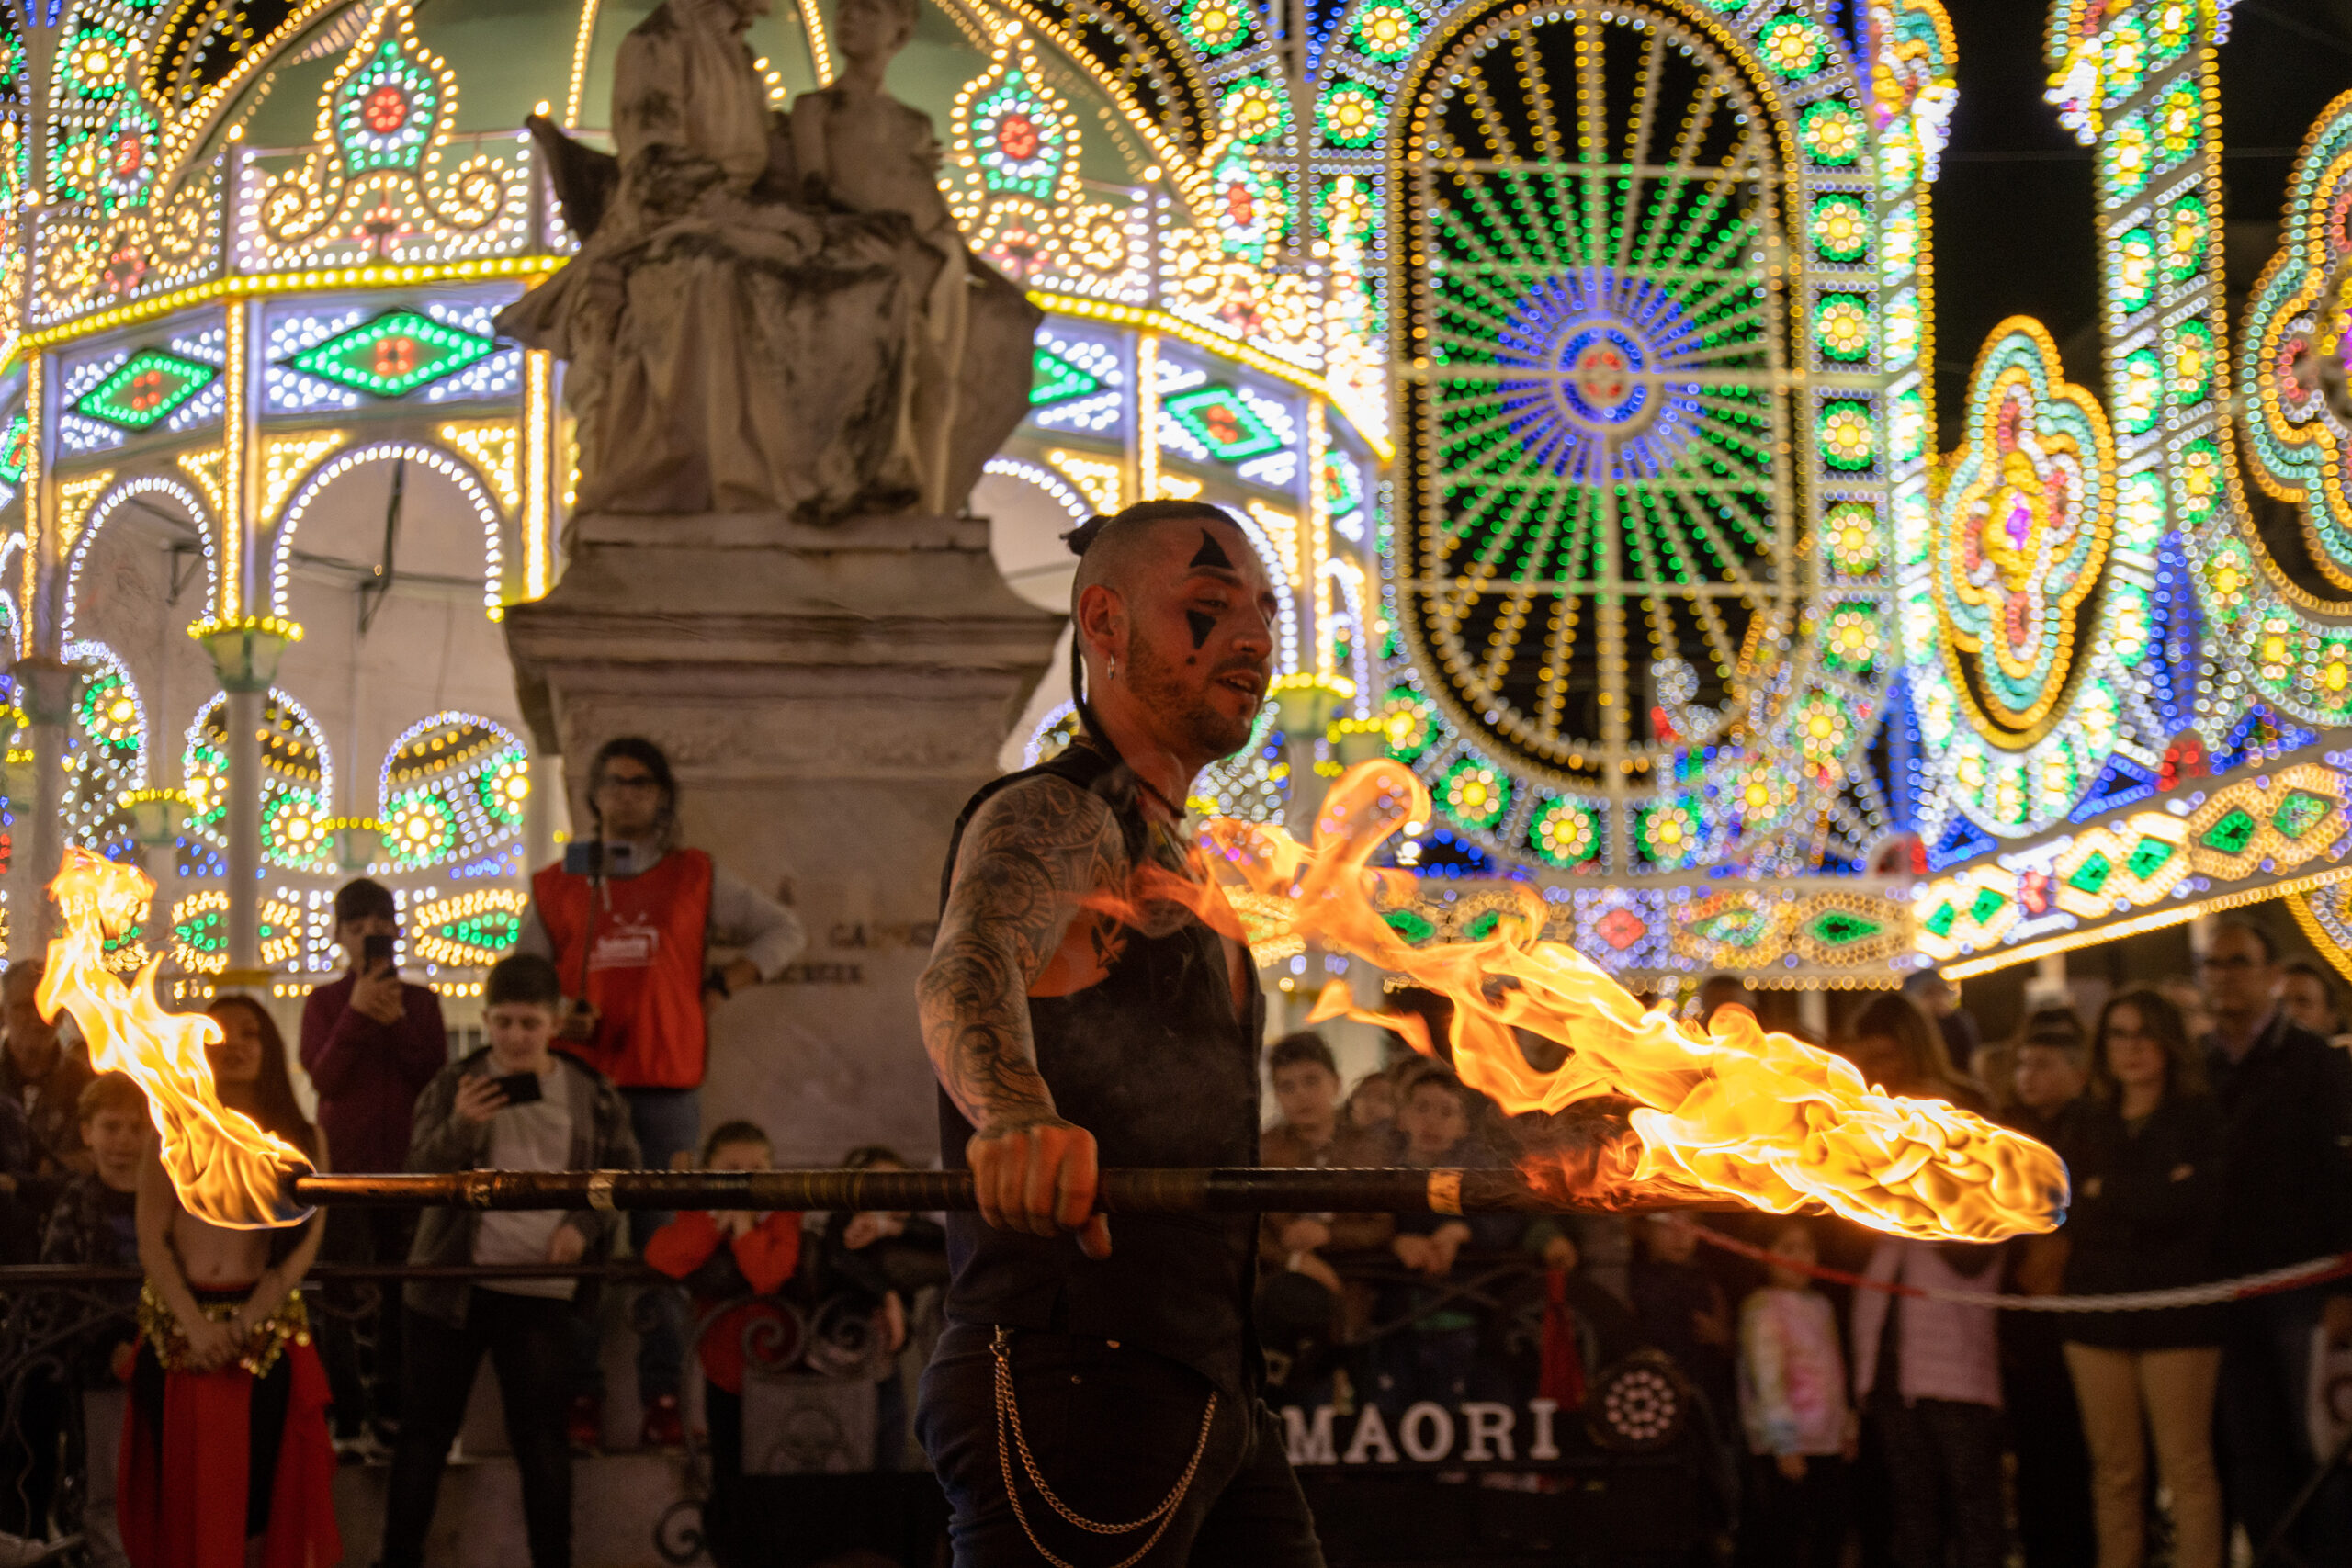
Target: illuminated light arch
190, 126
452, 787
1351, 581
1053, 733
1621, 369
1189, 176
1055, 487
12, 550
200, 516
298, 780
2140, 85
456, 469
1254, 528
2031, 630
106, 750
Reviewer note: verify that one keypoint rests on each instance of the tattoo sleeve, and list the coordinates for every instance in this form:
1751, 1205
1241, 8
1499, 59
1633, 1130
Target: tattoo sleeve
1029, 855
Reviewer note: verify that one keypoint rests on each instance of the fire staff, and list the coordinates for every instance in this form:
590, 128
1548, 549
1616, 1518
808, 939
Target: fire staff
1095, 1398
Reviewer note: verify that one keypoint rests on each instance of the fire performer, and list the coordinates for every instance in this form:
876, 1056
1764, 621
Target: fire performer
1096, 1397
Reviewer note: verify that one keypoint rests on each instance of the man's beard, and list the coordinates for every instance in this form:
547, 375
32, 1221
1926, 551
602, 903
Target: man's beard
1161, 687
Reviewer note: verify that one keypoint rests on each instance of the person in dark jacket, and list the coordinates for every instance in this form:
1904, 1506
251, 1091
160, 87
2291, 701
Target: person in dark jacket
2144, 1149
20, 1222
468, 1118
2049, 1071
370, 1042
45, 1076
2286, 1100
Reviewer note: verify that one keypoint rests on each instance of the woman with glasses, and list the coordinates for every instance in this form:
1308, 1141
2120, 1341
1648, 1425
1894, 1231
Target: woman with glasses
2144, 1149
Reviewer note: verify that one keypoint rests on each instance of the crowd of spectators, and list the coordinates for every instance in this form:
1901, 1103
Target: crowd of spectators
2207, 1125
2208, 1129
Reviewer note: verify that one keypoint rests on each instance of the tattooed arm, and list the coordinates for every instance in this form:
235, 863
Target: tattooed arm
1029, 856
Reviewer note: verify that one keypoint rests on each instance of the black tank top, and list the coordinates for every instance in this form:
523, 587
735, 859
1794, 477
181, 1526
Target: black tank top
1153, 1061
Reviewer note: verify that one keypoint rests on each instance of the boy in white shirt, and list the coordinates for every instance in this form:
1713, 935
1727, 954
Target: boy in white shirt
514, 1105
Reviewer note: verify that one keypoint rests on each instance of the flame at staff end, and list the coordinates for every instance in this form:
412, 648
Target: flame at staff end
226, 1169
1737, 1112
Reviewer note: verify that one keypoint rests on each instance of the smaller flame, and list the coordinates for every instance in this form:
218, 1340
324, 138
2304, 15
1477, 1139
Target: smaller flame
1656, 1110
227, 1170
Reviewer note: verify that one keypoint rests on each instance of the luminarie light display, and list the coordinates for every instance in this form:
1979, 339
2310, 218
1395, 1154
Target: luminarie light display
1565, 362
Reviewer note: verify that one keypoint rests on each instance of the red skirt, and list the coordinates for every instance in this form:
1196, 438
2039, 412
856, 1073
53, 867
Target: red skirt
187, 1494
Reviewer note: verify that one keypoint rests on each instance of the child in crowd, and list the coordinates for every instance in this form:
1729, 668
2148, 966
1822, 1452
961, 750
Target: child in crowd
1926, 1372
1437, 1357
2046, 1076
1371, 1113
853, 1267
95, 1225
1792, 1400
513, 1105
1684, 1312
226, 1457
723, 1257
1313, 1130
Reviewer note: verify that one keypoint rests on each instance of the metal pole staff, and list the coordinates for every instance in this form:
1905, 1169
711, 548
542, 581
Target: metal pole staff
1234, 1189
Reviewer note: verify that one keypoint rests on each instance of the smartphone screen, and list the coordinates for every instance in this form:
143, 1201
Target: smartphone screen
520, 1088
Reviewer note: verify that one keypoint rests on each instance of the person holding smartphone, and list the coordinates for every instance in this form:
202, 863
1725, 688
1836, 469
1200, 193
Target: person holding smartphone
513, 1105
370, 1042
629, 917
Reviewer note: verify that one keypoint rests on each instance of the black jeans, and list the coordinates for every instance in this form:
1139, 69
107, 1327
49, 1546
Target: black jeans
2266, 1446
1112, 1428
667, 1121
1796, 1524
722, 1522
364, 1387
2054, 1473
526, 1337
1943, 1467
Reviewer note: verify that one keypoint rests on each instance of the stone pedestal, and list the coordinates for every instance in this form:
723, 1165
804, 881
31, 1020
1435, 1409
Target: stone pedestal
829, 698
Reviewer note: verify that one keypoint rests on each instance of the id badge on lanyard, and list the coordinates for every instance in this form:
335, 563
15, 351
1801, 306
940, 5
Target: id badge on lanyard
627, 943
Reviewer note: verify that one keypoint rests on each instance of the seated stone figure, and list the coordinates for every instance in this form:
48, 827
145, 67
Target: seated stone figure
746, 335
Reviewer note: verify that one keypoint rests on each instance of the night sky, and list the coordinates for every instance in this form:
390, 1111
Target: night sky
2013, 211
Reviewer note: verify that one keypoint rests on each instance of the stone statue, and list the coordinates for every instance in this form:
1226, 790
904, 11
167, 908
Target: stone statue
771, 313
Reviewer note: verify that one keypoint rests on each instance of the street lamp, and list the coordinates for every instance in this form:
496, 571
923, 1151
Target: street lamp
245, 652
1304, 703
157, 816
1358, 740
357, 841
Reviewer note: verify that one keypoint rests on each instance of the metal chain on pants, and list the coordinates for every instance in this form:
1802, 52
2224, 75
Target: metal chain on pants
1008, 1418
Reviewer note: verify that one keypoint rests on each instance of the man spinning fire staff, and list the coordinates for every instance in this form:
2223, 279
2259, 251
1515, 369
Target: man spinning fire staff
1095, 1398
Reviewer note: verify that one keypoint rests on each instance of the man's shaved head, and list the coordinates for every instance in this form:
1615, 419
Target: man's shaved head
1109, 549
1172, 603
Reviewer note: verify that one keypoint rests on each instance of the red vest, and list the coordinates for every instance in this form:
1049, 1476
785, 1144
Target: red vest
638, 944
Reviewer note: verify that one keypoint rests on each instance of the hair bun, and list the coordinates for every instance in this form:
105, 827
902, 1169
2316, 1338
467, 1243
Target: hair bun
1081, 539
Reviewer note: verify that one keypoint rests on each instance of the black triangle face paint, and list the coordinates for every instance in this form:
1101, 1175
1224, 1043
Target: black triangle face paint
1211, 553
1202, 626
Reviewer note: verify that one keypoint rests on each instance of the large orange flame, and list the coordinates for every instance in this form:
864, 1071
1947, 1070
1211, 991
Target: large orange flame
1732, 1113
225, 1168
